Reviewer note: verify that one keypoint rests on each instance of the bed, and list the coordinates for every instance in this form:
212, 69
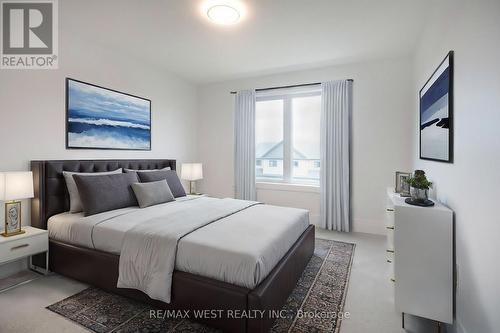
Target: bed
88, 250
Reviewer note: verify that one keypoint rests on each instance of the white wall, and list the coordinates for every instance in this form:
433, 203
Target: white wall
471, 185
382, 127
32, 108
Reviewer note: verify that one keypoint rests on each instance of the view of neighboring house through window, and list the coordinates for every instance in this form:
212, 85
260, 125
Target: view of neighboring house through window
287, 135
268, 137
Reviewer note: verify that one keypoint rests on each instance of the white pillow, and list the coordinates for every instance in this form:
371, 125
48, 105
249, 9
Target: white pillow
75, 204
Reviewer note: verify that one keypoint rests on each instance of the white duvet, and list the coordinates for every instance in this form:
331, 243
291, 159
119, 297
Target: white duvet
234, 241
149, 249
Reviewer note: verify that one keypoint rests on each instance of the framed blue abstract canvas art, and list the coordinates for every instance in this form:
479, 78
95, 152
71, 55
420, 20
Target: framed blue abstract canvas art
436, 114
102, 118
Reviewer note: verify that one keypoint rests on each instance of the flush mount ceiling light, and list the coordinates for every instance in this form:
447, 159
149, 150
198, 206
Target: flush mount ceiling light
223, 12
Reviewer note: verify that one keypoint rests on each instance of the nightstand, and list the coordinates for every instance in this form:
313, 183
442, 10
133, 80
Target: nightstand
33, 241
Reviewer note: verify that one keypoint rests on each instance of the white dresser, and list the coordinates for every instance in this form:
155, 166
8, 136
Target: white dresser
420, 258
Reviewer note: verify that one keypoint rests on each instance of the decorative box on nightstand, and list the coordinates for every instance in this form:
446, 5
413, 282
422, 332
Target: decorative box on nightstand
32, 242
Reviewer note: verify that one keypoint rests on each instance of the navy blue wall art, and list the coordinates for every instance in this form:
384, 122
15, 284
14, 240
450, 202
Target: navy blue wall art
436, 114
101, 118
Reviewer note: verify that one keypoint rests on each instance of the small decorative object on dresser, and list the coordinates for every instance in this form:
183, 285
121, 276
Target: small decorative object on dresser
402, 187
419, 189
192, 172
14, 186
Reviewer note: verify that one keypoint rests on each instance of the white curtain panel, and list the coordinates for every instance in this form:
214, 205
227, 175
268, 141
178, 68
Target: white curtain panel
336, 104
244, 135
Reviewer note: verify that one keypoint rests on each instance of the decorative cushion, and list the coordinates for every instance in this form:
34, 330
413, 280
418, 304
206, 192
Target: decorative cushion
107, 192
145, 170
153, 193
75, 204
169, 175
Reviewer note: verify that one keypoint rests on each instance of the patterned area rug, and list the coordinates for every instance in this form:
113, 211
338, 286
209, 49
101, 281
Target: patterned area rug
315, 305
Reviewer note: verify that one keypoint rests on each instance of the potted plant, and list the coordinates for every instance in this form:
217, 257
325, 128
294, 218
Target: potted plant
419, 186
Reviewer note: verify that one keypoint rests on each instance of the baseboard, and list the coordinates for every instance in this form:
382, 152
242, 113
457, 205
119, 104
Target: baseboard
13, 268
368, 226
314, 219
365, 226
456, 327
459, 328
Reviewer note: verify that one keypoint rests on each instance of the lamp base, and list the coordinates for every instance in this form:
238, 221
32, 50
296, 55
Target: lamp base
192, 189
13, 233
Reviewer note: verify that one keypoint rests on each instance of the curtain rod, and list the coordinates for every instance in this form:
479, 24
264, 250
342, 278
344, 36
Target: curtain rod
291, 86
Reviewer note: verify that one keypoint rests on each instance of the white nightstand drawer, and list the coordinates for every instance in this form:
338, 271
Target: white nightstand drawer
23, 247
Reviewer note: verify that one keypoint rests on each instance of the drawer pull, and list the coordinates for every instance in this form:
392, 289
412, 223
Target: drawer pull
390, 251
390, 209
393, 280
389, 261
390, 228
19, 247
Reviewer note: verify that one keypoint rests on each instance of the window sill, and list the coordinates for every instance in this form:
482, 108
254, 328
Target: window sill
287, 187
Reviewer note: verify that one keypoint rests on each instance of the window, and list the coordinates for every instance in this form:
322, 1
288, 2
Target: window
287, 128
269, 139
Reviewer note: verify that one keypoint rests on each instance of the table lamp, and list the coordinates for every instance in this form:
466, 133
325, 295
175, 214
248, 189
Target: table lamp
192, 172
15, 186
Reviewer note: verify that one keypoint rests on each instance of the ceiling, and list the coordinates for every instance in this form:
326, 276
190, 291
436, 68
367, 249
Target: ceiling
274, 36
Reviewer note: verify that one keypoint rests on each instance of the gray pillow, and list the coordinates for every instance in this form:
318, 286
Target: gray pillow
75, 204
169, 175
104, 193
154, 193
133, 170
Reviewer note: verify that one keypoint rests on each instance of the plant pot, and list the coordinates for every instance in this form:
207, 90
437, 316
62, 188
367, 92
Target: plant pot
418, 194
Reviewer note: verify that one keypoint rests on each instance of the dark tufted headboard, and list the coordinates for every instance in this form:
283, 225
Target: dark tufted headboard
51, 195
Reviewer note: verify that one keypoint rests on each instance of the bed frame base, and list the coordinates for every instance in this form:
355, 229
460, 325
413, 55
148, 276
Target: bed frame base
189, 292
192, 292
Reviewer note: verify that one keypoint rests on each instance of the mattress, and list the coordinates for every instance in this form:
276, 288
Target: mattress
240, 249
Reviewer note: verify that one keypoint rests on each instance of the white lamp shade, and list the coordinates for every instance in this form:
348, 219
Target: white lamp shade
16, 185
192, 171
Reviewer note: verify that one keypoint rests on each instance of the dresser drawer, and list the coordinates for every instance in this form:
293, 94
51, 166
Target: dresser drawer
390, 237
390, 266
23, 247
389, 216
389, 257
